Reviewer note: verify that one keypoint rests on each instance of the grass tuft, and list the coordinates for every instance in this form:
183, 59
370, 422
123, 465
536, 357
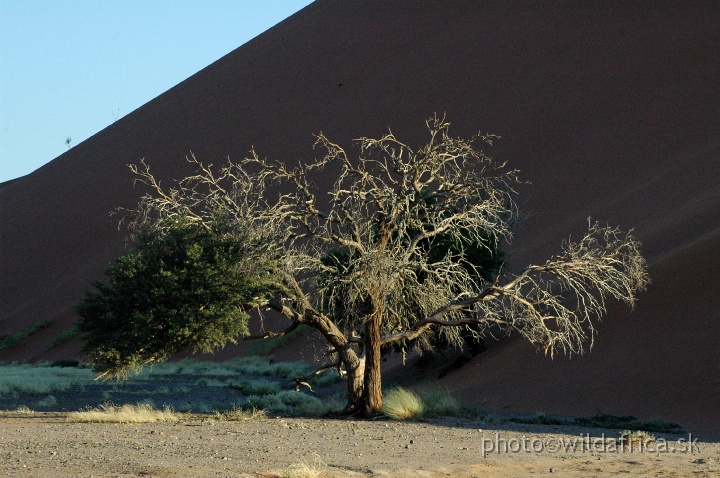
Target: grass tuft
238, 414
402, 404
304, 469
141, 413
636, 437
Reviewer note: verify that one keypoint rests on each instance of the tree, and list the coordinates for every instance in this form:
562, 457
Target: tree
391, 245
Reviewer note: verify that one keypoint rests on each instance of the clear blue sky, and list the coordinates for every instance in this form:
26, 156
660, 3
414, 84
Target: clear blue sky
69, 68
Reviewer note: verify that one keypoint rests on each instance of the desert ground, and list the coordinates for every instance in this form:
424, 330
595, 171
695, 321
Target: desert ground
243, 418
51, 444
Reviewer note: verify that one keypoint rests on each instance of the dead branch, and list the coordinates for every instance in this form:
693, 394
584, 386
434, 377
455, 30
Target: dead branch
305, 381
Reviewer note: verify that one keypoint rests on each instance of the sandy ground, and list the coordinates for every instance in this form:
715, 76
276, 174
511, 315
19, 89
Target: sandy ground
49, 445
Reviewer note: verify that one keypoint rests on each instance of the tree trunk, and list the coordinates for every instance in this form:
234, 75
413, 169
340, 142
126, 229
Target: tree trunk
355, 377
372, 389
354, 365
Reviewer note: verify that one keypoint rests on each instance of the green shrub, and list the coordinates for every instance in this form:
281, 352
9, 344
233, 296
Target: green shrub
287, 401
47, 402
255, 387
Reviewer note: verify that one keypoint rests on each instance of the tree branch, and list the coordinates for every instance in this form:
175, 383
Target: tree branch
269, 335
305, 381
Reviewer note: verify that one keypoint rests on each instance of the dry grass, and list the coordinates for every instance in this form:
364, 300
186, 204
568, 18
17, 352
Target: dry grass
402, 404
141, 413
304, 469
237, 414
636, 437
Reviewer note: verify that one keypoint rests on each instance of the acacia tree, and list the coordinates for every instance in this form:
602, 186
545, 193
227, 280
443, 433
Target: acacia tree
376, 246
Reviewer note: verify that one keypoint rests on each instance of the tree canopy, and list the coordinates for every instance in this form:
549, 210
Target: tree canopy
403, 246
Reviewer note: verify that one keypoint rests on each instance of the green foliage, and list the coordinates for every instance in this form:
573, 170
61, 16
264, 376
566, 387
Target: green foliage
183, 287
286, 401
255, 387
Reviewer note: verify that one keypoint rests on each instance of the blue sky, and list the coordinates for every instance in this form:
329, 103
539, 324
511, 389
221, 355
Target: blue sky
69, 68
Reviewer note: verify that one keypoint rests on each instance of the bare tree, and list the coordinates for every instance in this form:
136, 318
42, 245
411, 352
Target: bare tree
370, 246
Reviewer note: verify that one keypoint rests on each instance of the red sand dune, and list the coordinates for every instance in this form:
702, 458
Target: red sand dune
610, 109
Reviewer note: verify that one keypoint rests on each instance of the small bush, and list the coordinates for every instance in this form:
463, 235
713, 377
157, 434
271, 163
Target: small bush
287, 401
295, 399
636, 437
268, 367
268, 402
402, 404
47, 402
540, 419
331, 377
304, 469
239, 414
209, 382
628, 422
24, 410
255, 387
189, 367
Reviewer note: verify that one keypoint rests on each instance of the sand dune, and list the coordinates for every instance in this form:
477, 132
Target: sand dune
610, 110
